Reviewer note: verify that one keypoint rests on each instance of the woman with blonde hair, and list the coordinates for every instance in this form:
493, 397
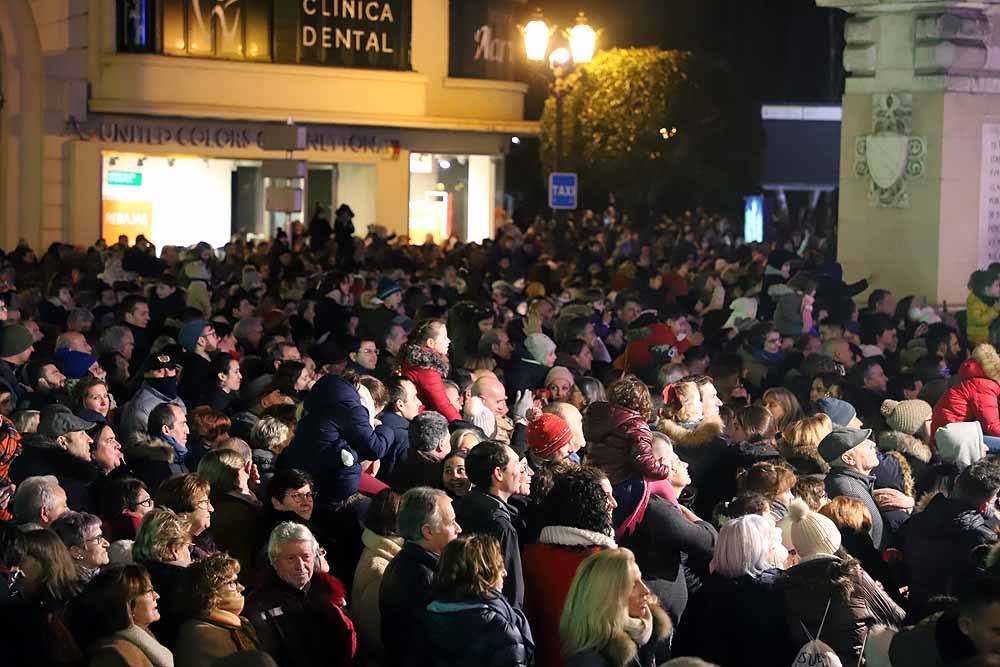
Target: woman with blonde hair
468, 604
163, 546
799, 444
610, 618
215, 628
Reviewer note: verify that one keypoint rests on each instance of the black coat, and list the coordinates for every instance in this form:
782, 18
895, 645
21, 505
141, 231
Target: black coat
170, 582
502, 635
658, 542
415, 469
41, 456
523, 374
197, 380
300, 628
938, 546
478, 512
718, 479
402, 601
726, 634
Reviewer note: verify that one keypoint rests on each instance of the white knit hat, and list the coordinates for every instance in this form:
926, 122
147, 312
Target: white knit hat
812, 533
539, 346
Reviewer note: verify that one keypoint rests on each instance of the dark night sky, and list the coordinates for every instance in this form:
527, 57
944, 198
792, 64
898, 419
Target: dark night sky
782, 48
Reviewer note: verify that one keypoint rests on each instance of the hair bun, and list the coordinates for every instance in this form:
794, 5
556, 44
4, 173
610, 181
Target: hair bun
797, 510
888, 407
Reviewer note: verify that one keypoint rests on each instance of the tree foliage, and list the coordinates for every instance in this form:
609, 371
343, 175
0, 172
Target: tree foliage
661, 129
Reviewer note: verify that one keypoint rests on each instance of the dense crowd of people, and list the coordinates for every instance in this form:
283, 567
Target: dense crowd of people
581, 443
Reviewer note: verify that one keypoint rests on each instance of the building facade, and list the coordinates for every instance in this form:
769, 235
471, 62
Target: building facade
151, 116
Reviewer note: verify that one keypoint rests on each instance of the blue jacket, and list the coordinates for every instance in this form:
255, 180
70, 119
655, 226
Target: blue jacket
502, 636
400, 427
333, 438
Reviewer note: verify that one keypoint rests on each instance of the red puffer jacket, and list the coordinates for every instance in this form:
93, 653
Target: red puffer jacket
427, 370
975, 397
621, 444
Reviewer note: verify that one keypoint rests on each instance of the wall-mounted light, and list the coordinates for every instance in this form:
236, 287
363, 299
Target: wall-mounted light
113, 161
141, 161
444, 164
515, 140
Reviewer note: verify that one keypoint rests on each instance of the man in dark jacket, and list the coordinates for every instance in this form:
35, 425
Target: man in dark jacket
401, 406
940, 542
427, 523
333, 438
297, 610
16, 346
496, 473
61, 447
853, 456
429, 444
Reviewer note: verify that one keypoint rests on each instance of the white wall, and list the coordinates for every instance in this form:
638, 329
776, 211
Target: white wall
356, 188
191, 200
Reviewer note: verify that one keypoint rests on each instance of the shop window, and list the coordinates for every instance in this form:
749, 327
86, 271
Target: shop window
217, 28
134, 25
452, 195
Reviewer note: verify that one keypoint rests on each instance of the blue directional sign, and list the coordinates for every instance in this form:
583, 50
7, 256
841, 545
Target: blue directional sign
562, 190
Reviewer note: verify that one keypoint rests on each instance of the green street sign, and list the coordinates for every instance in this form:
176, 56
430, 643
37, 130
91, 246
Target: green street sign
133, 178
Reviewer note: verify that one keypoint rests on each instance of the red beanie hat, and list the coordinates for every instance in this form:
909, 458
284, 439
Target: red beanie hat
547, 434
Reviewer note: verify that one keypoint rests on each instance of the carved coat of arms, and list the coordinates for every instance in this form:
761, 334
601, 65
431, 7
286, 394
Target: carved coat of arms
891, 156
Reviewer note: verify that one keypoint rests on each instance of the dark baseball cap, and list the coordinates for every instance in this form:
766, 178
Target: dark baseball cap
840, 440
57, 420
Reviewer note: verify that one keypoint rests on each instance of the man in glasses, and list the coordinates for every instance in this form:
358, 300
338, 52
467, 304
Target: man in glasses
199, 340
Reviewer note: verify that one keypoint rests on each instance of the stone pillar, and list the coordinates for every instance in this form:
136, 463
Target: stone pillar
920, 144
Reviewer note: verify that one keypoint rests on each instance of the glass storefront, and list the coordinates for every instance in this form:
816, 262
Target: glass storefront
453, 195
181, 200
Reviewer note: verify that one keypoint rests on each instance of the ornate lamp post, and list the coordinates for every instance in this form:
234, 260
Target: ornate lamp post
582, 40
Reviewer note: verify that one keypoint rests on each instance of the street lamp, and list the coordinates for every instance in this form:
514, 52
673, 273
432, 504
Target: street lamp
582, 43
582, 40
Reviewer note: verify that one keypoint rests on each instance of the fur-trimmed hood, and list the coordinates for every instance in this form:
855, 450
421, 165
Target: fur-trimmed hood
984, 362
792, 452
907, 445
141, 446
621, 649
423, 357
690, 436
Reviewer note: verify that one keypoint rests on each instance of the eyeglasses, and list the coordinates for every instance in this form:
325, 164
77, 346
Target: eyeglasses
203, 504
96, 538
301, 497
233, 584
772, 341
148, 502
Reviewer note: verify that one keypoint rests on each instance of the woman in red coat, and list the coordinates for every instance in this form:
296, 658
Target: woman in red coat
424, 361
975, 397
577, 513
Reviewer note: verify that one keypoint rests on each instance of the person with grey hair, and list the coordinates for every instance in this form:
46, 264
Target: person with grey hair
268, 438
430, 443
248, 333
80, 320
427, 523
82, 534
73, 340
119, 340
298, 610
38, 502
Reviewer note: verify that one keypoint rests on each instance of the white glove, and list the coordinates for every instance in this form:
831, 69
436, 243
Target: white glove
525, 399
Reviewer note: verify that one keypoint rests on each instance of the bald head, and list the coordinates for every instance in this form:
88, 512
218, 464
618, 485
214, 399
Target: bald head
492, 393
73, 340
